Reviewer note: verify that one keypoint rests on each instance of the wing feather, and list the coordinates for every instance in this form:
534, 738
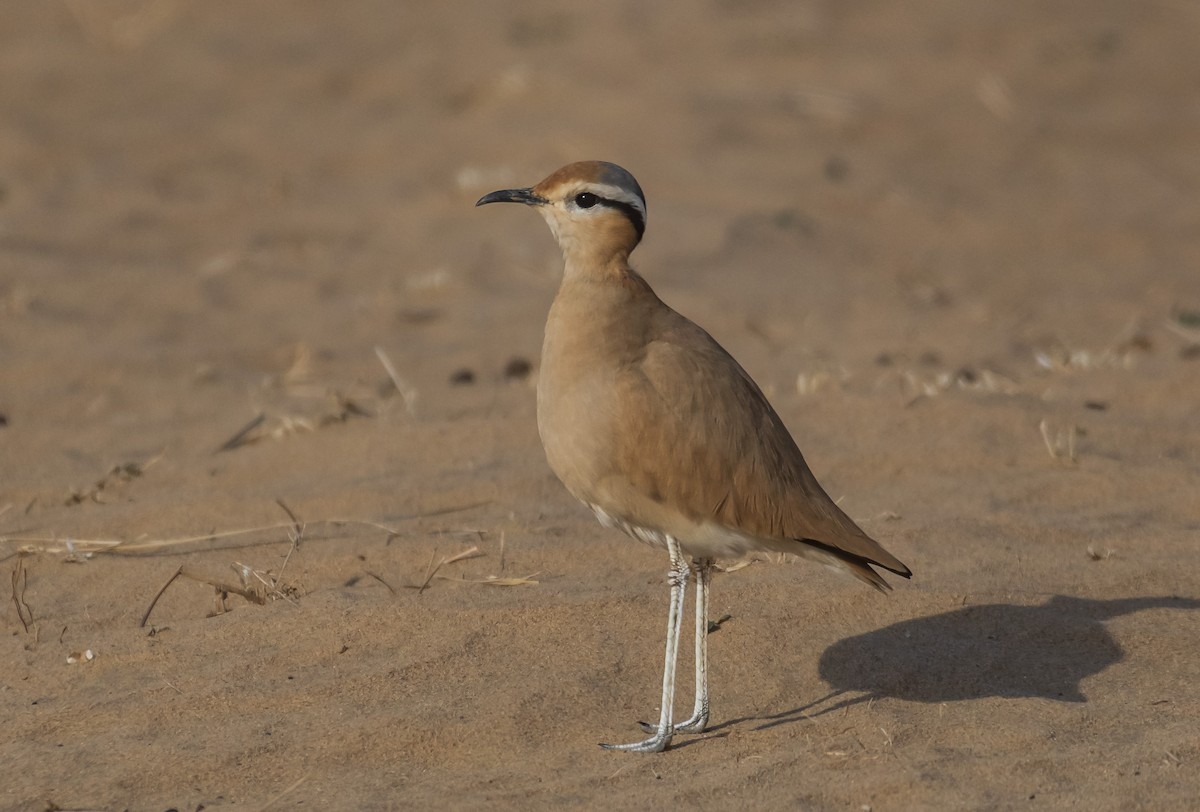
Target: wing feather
729, 457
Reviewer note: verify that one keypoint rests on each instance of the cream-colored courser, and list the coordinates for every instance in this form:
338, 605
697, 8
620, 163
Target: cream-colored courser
651, 423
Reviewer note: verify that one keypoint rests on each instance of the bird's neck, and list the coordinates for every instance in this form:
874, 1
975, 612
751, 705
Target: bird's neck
599, 252
581, 265
599, 306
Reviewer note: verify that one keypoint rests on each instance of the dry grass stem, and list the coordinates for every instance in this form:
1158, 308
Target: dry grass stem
239, 437
1060, 445
117, 475
295, 534
429, 570
433, 568
20, 581
257, 593
157, 595
1060, 358
267, 586
296, 387
407, 392
1188, 333
809, 383
288, 424
1119, 354
380, 579
280, 796
31, 545
1066, 360
299, 372
915, 387
495, 580
280, 426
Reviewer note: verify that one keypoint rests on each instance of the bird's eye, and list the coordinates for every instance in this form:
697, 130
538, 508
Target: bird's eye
585, 200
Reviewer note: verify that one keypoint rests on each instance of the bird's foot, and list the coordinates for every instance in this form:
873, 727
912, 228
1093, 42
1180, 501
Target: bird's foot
696, 724
658, 741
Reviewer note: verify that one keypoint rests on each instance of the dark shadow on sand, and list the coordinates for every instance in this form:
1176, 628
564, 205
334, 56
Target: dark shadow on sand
990, 650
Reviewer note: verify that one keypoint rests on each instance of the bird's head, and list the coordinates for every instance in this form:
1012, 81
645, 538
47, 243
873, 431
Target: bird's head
595, 209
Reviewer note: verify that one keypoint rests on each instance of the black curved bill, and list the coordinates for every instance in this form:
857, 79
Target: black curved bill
525, 196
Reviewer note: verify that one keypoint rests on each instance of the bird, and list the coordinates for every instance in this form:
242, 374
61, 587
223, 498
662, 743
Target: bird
649, 422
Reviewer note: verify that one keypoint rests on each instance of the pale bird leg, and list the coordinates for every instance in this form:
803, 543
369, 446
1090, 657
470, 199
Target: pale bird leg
702, 571
677, 577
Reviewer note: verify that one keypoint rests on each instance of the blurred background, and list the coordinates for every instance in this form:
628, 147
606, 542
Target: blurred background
201, 175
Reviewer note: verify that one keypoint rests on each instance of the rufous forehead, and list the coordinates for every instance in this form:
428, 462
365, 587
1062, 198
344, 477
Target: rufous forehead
600, 172
579, 172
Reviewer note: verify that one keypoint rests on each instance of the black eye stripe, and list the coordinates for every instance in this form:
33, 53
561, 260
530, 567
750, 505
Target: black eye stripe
634, 216
586, 200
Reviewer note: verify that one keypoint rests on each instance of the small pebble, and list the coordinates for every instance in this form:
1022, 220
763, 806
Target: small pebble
517, 368
837, 168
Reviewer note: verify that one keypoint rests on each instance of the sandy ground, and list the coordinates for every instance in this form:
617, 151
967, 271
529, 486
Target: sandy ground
958, 244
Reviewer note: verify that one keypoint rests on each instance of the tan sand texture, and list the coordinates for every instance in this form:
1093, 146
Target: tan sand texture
958, 245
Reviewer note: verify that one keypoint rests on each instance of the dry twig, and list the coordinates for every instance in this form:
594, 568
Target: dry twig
117, 475
495, 580
239, 437
379, 578
407, 392
157, 595
295, 534
1062, 445
433, 568
251, 592
278, 797
20, 581
31, 545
